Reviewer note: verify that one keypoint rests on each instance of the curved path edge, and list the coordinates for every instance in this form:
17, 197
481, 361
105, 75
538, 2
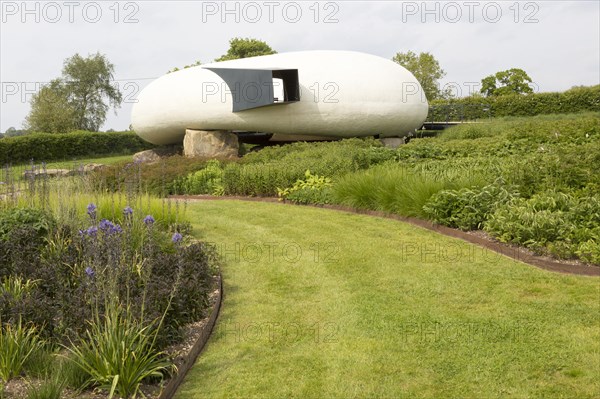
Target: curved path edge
513, 252
169, 391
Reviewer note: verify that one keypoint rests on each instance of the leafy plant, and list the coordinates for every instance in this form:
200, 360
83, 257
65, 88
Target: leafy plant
560, 223
38, 219
311, 189
467, 208
205, 181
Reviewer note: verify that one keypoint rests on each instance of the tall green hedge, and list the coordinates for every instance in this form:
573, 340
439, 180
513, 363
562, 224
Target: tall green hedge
575, 100
50, 147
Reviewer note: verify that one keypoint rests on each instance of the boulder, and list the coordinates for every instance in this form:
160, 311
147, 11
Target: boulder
393, 142
210, 144
156, 154
87, 168
47, 172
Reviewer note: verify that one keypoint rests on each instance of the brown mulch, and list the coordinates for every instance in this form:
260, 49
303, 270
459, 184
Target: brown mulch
475, 237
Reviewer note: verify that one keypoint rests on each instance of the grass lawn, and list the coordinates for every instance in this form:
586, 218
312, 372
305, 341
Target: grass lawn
74, 163
17, 170
325, 304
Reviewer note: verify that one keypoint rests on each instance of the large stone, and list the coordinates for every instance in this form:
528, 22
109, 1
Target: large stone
210, 144
393, 142
156, 154
87, 168
46, 172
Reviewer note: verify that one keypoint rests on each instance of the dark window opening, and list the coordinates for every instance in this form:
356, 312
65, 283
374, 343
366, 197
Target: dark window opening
253, 88
288, 79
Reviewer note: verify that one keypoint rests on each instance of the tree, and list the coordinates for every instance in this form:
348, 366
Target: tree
51, 110
426, 69
13, 132
244, 48
88, 82
79, 99
511, 81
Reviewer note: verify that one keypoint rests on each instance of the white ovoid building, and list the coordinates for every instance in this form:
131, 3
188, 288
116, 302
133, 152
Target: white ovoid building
299, 95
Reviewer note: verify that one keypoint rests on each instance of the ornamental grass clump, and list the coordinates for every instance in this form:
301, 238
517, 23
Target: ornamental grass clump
17, 343
118, 352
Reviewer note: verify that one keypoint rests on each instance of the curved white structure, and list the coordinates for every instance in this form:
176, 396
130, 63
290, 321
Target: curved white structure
327, 93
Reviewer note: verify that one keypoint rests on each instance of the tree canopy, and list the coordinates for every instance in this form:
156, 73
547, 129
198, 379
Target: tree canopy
51, 110
511, 81
238, 48
195, 63
244, 48
426, 69
79, 99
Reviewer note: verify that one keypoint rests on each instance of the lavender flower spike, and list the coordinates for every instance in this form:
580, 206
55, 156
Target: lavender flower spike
91, 210
149, 220
177, 237
105, 225
92, 231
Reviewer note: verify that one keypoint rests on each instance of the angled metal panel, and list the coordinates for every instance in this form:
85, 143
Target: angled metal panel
250, 88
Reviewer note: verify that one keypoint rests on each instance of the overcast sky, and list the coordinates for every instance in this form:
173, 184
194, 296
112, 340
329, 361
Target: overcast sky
556, 42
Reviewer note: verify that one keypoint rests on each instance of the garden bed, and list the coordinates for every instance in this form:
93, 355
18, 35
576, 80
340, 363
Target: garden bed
93, 297
184, 353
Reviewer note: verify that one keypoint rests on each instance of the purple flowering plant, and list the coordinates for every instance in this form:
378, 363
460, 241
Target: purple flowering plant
91, 211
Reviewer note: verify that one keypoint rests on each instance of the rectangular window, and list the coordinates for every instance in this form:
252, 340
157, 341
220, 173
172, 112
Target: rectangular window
253, 88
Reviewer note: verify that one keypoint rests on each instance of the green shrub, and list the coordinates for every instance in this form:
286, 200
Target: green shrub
467, 208
579, 99
204, 181
559, 223
313, 189
535, 154
589, 251
38, 220
48, 147
306, 196
259, 179
365, 151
